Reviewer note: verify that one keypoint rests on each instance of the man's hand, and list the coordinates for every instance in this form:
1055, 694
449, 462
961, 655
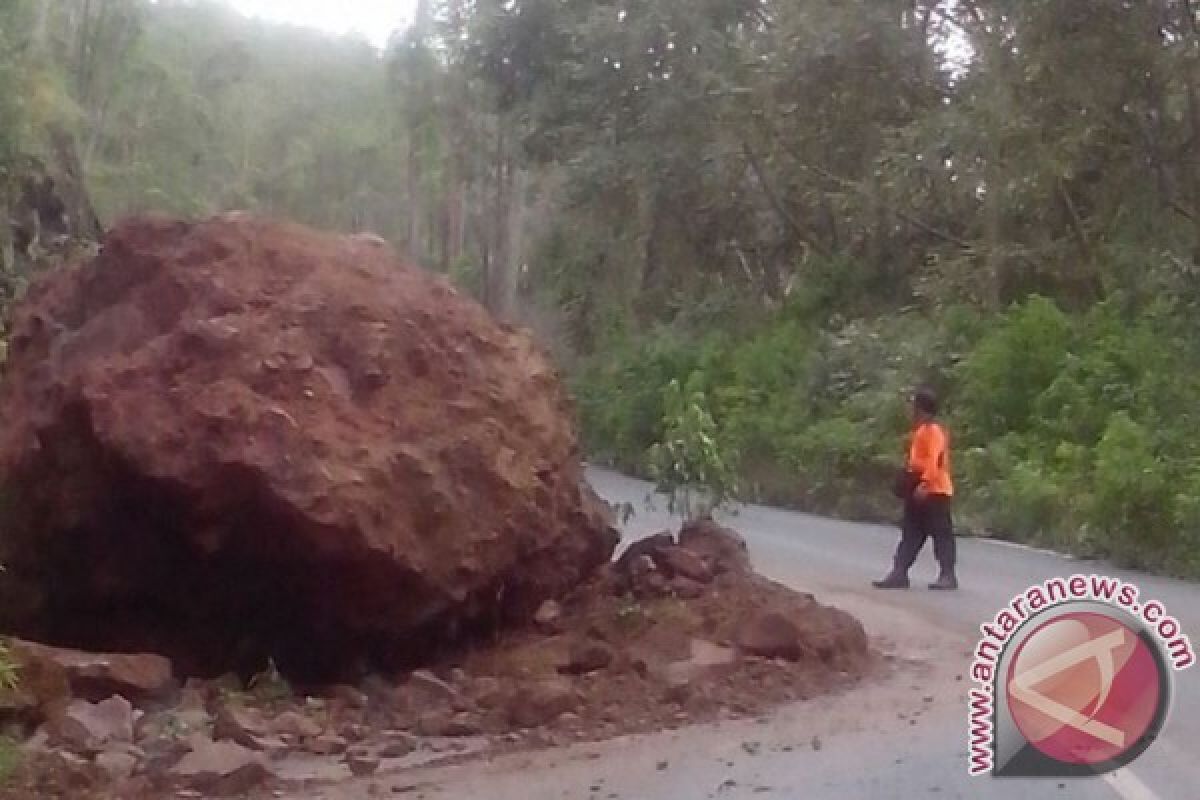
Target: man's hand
921, 492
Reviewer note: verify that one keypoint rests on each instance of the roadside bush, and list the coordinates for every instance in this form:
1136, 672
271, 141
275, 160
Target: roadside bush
693, 465
1072, 431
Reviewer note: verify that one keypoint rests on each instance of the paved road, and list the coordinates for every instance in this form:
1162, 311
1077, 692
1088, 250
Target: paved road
903, 736
836, 561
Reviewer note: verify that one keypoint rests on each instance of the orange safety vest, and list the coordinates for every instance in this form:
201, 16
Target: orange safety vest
929, 458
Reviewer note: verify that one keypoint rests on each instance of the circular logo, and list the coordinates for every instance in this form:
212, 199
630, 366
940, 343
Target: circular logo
1085, 688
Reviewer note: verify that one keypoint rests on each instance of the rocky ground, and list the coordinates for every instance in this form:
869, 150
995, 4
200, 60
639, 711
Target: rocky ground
675, 632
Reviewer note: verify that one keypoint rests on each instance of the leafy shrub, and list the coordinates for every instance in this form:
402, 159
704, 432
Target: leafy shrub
1132, 502
1002, 378
691, 465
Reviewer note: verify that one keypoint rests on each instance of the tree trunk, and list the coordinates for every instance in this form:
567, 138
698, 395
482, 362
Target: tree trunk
1193, 155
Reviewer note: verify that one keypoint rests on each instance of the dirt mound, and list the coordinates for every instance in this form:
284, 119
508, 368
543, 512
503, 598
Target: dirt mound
647, 652
236, 439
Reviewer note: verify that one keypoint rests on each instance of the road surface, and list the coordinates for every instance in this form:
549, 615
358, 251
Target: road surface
902, 736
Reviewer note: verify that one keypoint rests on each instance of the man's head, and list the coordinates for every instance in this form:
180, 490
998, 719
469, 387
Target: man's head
924, 404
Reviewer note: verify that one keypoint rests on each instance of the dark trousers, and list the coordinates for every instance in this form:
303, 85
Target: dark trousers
924, 519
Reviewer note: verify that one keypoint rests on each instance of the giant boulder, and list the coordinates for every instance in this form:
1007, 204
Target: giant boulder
235, 438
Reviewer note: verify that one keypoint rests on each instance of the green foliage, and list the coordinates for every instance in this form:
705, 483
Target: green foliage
692, 465
1012, 366
10, 758
1131, 503
1072, 431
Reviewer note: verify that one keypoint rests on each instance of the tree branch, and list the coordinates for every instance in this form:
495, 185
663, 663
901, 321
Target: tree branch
776, 203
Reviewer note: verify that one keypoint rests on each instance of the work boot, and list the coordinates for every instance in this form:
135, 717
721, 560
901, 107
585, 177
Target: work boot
946, 581
894, 580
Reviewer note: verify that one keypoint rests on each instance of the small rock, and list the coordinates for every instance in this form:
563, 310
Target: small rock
751, 748
116, 764
220, 768
643, 548
678, 562
770, 635
295, 724
816, 743
361, 763
327, 744
88, 727
244, 726
647, 580
539, 703
723, 547
548, 618
662, 765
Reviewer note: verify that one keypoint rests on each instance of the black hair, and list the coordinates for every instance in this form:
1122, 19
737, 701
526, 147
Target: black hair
925, 400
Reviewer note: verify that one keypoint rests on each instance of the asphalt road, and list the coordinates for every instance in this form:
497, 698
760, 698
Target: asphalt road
902, 735
837, 560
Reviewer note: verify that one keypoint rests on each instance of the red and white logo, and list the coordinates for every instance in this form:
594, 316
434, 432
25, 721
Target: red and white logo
1084, 688
1073, 679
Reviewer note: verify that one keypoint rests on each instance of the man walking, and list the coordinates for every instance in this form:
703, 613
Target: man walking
926, 489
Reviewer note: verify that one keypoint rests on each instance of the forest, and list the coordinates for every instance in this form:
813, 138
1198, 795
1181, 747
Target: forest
752, 223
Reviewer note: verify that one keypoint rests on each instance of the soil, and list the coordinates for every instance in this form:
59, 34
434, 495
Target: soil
625, 653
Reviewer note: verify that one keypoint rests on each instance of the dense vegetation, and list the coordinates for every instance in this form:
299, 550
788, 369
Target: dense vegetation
774, 217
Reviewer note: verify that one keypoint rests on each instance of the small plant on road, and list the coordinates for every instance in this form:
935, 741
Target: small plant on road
691, 465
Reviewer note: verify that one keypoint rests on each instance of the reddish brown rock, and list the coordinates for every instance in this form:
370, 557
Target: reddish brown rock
220, 769
648, 546
724, 548
235, 439
770, 635
96, 676
327, 745
42, 689
683, 563
542, 702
